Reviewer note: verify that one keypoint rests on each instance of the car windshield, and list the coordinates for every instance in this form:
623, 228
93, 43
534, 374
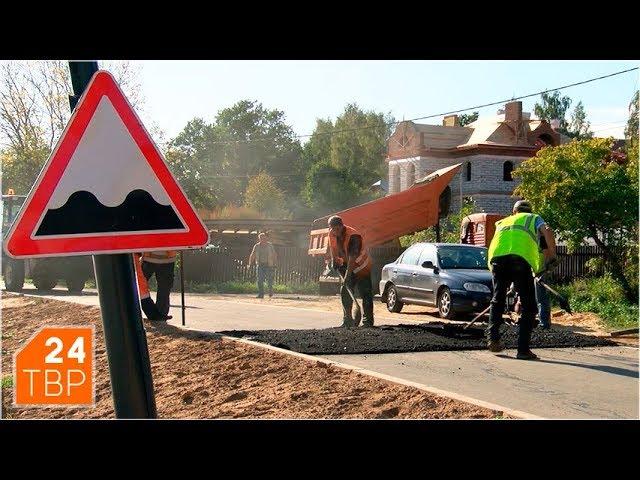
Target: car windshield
463, 257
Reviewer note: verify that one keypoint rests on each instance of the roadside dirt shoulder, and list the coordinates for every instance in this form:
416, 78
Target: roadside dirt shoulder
200, 375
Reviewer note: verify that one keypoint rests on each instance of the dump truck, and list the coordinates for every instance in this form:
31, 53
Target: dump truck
384, 220
45, 272
479, 228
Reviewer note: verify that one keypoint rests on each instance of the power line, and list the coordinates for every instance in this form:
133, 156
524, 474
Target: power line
616, 122
334, 132
603, 129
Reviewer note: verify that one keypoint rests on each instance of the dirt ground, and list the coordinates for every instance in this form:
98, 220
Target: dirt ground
200, 375
584, 323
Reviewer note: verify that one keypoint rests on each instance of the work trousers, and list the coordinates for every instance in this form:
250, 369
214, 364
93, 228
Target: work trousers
365, 288
265, 272
507, 269
164, 279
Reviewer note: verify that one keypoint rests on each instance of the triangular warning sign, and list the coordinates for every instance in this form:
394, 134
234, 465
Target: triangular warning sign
105, 188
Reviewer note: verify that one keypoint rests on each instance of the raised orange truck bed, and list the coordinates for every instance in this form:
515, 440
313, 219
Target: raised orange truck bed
385, 219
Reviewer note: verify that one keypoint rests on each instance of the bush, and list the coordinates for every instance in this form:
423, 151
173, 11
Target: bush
604, 297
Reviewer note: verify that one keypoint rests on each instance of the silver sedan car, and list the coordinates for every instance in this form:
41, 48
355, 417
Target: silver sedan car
453, 277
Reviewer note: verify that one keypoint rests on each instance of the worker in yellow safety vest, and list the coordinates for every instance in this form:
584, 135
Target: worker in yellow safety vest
515, 256
160, 263
350, 257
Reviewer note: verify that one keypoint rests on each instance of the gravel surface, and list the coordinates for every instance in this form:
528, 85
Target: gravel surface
408, 338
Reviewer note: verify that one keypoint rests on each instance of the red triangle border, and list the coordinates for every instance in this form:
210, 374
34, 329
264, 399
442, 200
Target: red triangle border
19, 242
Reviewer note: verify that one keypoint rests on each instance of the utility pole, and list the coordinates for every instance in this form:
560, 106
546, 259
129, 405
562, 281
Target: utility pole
124, 334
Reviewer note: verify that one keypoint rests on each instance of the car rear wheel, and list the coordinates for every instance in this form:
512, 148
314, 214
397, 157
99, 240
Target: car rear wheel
393, 304
445, 306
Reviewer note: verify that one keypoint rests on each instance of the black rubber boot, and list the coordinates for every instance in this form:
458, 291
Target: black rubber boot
150, 310
525, 325
347, 323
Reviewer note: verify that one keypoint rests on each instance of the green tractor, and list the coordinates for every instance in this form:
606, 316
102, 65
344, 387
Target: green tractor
45, 272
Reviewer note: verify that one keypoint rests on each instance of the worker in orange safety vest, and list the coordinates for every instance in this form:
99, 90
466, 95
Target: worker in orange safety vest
162, 264
148, 306
350, 257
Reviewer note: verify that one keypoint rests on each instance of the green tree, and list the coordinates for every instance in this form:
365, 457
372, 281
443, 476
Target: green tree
215, 162
631, 130
579, 126
355, 146
256, 140
21, 166
264, 196
553, 107
584, 190
195, 158
318, 147
467, 118
329, 189
632, 149
449, 227
361, 151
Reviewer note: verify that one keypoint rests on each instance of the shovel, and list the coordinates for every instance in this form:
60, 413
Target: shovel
358, 313
481, 314
564, 304
476, 318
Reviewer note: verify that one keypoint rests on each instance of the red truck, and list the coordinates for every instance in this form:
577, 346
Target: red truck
385, 220
479, 228
45, 272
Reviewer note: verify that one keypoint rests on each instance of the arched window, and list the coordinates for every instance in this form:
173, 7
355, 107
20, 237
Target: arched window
394, 179
546, 139
468, 172
507, 168
411, 175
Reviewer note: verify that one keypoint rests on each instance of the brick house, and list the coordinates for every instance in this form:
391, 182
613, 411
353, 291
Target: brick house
488, 149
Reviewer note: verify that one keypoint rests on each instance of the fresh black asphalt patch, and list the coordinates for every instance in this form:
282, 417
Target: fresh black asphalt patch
408, 338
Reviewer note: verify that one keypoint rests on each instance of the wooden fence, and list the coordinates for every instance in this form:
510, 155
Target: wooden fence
295, 266
226, 264
573, 265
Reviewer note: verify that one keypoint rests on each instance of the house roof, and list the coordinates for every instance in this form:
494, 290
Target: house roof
520, 136
492, 130
437, 136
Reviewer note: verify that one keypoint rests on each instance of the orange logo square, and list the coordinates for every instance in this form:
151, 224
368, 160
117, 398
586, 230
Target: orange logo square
55, 367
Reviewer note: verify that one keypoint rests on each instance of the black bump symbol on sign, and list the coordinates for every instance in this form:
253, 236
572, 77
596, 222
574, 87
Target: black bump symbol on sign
83, 213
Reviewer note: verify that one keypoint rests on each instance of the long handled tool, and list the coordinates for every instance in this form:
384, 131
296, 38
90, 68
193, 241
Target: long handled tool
476, 318
485, 311
358, 313
564, 304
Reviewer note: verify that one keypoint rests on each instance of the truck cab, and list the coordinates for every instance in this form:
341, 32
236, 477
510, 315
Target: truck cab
45, 272
479, 228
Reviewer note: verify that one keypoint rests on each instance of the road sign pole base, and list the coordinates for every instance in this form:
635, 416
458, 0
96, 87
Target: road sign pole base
125, 338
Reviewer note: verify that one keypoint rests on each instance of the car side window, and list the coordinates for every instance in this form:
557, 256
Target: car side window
428, 254
411, 256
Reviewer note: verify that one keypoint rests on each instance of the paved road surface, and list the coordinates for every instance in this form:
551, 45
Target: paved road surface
568, 383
